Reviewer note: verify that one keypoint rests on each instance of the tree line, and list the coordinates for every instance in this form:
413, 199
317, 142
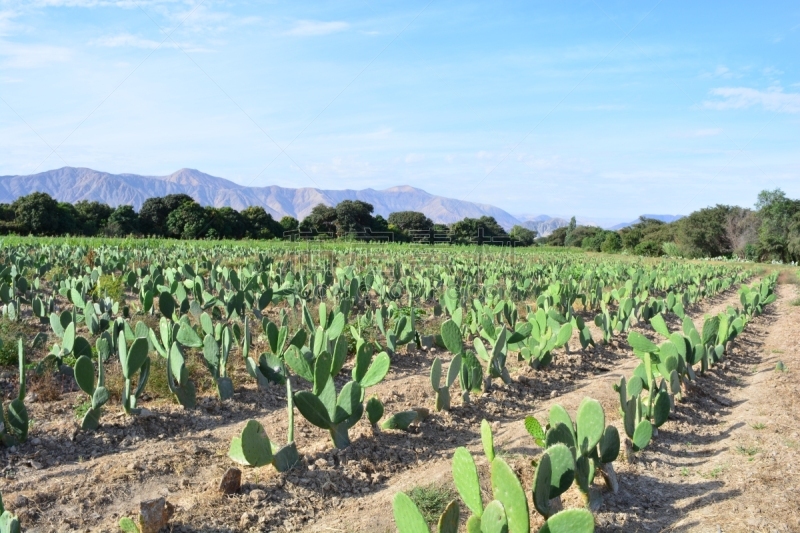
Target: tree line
769, 232
179, 216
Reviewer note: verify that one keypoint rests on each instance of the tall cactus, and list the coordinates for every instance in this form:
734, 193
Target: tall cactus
84, 376
133, 360
215, 357
443, 392
178, 378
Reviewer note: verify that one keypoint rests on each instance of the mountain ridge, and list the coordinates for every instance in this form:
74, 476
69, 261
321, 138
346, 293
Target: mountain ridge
71, 184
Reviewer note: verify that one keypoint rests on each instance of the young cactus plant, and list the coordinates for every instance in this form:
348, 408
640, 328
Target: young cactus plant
638, 428
133, 360
327, 411
471, 371
9, 523
287, 456
15, 417
404, 419
84, 375
252, 447
594, 446
543, 339
509, 509
443, 392
215, 356
178, 378
496, 359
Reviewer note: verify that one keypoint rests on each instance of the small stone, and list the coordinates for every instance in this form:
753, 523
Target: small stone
36, 441
154, 515
20, 501
257, 495
553, 394
231, 481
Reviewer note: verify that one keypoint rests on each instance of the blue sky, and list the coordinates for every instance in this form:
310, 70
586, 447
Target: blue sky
601, 108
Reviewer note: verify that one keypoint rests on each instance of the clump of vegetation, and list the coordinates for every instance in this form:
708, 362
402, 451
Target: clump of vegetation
10, 331
431, 500
80, 409
111, 286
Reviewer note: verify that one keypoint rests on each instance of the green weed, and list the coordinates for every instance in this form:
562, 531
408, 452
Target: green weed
749, 451
432, 500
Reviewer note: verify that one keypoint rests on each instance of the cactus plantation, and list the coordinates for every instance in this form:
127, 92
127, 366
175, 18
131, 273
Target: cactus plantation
535, 384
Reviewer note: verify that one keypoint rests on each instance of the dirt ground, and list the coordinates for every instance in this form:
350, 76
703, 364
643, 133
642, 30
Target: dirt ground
726, 462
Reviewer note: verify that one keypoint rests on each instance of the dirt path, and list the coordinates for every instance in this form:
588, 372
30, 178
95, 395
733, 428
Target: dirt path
65, 480
742, 474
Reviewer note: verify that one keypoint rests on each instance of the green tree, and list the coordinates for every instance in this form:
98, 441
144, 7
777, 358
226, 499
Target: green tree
353, 216
188, 221
477, 231
155, 211
37, 214
260, 224
408, 221
568, 235
581, 233
68, 219
777, 213
322, 219
703, 233
522, 235
93, 216
123, 221
288, 224
6, 213
225, 223
558, 237
7, 222
612, 243
742, 228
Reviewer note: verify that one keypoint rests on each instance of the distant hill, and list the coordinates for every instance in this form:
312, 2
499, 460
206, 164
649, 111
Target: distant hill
74, 184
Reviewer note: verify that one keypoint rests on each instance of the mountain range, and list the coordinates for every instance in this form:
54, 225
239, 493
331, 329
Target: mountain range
71, 184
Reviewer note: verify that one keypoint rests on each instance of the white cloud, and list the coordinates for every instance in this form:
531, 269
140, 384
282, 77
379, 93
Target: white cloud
723, 72
773, 99
310, 28
32, 55
134, 41
414, 158
5, 22
126, 39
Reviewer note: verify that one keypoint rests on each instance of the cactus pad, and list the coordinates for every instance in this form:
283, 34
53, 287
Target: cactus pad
508, 490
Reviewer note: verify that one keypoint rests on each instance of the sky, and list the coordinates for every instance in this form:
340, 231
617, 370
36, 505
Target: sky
605, 109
